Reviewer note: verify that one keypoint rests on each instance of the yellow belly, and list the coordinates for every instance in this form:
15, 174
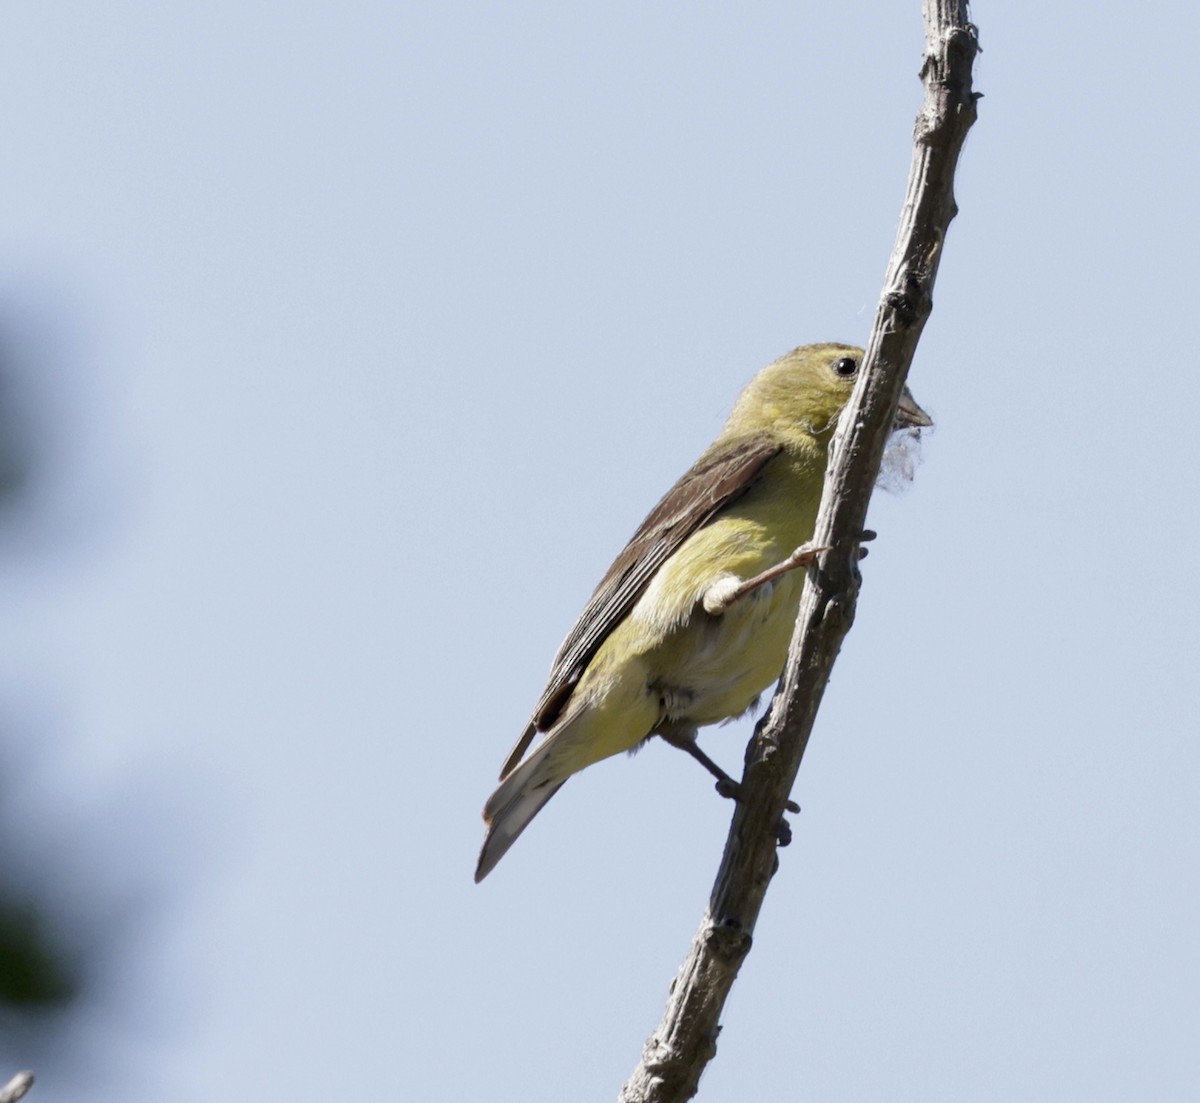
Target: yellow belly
700, 668
717, 667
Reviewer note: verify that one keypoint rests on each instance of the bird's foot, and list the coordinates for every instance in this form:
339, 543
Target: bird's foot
729, 788
723, 593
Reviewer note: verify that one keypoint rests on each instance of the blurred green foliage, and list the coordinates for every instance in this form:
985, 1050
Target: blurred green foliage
34, 973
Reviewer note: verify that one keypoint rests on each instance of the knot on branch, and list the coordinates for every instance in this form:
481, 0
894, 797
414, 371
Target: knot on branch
839, 608
961, 46
728, 940
910, 302
947, 68
903, 308
665, 1064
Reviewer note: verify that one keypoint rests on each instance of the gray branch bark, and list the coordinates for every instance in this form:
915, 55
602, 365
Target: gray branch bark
677, 1052
16, 1088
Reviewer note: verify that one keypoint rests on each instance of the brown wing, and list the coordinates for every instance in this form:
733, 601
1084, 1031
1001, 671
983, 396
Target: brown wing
722, 475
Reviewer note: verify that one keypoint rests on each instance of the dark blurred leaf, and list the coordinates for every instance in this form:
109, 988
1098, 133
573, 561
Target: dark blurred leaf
33, 972
16, 453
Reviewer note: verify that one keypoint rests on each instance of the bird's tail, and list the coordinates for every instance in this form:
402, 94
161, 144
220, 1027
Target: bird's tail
517, 799
599, 724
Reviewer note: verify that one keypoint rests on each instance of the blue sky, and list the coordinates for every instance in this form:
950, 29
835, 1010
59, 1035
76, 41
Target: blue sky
353, 342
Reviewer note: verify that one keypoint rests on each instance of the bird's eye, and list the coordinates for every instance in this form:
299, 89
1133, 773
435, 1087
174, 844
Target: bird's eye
845, 367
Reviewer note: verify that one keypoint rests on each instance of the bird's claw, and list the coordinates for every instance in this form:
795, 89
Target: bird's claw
729, 788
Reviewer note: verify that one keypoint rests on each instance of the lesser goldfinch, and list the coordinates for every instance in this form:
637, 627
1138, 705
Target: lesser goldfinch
693, 619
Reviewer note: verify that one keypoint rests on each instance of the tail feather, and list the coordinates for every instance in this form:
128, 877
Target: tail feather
599, 724
519, 798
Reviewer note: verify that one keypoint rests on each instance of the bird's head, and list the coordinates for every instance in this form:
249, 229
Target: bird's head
806, 390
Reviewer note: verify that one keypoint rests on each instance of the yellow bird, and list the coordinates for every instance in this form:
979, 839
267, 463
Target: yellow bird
693, 619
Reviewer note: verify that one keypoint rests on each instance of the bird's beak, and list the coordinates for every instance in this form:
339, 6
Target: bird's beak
909, 415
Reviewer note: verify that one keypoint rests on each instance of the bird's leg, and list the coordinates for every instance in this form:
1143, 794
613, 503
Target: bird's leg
724, 593
684, 737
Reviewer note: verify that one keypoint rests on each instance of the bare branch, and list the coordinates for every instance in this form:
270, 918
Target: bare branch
676, 1054
16, 1088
